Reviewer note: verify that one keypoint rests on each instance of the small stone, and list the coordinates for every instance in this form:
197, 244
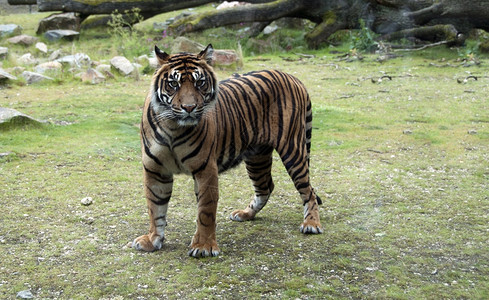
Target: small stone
407, 131
23, 39
32, 77
27, 294
270, 29
3, 52
27, 59
76, 60
10, 30
225, 59
50, 66
55, 55
123, 65
6, 75
92, 76
153, 63
472, 131
58, 34
183, 44
42, 47
86, 201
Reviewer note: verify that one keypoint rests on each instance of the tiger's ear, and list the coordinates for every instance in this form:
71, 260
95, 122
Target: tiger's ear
207, 54
161, 56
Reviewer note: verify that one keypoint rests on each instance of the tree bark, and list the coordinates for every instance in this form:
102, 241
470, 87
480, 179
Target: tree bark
91, 7
248, 13
389, 18
22, 2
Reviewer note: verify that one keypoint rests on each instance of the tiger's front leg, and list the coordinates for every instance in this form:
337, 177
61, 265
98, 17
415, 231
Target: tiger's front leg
158, 190
204, 242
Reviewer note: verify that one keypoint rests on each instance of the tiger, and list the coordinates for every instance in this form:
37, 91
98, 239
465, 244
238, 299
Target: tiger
195, 125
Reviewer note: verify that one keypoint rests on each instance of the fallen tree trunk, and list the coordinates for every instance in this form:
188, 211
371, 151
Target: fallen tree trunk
392, 19
90, 7
248, 13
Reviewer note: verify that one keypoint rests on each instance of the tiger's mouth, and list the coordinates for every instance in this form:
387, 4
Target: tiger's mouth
188, 121
184, 118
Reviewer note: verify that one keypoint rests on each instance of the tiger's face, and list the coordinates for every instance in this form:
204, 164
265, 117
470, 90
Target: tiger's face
185, 86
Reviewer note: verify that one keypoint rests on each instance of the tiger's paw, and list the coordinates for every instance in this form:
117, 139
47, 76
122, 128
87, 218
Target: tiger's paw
148, 244
205, 249
241, 215
311, 227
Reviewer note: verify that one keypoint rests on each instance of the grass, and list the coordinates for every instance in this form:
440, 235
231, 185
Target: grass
401, 167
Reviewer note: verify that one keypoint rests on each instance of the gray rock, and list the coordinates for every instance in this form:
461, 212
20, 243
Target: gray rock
42, 47
5, 75
123, 65
77, 60
183, 44
50, 66
226, 59
27, 59
55, 55
270, 29
105, 70
58, 34
153, 63
27, 294
32, 77
23, 39
59, 21
160, 26
86, 201
9, 30
10, 117
3, 52
92, 76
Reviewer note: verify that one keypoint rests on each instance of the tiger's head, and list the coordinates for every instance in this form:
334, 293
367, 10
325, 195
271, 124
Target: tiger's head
184, 87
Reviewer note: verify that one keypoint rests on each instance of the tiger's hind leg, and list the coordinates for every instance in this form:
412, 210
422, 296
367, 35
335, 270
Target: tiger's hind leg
296, 162
259, 168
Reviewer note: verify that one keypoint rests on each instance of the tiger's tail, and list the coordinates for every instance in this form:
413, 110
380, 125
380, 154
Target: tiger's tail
309, 135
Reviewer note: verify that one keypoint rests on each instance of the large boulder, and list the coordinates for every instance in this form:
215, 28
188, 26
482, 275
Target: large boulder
7, 30
59, 21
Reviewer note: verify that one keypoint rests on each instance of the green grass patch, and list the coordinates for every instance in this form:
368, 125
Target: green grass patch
401, 167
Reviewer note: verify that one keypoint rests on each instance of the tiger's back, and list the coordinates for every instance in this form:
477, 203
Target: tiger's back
254, 111
194, 125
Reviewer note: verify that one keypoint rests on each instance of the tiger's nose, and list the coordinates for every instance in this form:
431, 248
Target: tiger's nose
189, 107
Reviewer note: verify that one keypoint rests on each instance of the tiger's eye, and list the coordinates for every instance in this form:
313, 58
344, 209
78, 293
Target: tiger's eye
173, 84
200, 83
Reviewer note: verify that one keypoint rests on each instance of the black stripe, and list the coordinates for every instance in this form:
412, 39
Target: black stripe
205, 162
159, 200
